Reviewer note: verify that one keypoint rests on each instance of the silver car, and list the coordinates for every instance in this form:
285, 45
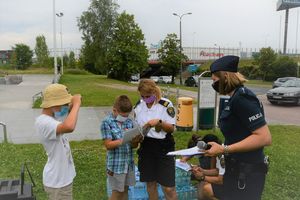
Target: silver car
165, 79
281, 81
288, 92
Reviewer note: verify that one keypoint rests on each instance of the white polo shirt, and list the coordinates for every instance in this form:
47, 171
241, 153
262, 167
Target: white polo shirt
143, 114
59, 170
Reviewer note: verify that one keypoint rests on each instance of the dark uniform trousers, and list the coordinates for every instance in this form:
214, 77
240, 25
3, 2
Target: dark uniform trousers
244, 181
154, 164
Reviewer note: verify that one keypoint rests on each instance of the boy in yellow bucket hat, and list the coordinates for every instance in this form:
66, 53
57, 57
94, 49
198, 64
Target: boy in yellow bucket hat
59, 116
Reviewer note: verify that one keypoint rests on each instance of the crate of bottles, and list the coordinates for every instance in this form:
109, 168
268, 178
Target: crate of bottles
184, 189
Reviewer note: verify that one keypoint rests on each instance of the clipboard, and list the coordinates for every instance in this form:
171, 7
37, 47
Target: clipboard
132, 133
186, 152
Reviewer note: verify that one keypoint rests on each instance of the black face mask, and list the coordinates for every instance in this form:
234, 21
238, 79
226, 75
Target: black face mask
215, 85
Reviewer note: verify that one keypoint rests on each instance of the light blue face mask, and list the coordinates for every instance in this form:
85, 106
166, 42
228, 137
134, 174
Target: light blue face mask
62, 114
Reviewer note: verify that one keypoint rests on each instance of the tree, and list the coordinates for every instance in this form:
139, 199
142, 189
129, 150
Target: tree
170, 55
23, 56
13, 60
96, 25
283, 66
72, 61
41, 51
127, 53
264, 60
66, 60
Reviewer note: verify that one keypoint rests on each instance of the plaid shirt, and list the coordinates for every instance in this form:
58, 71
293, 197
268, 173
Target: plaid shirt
118, 160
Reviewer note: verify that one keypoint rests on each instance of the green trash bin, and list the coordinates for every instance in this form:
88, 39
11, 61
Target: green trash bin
206, 118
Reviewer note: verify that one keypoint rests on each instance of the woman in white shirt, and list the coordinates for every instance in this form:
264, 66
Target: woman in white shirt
154, 166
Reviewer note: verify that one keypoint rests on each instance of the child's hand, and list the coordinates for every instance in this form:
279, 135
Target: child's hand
75, 101
197, 173
119, 142
184, 159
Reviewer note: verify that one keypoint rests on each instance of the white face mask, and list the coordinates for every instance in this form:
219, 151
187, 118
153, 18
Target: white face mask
120, 118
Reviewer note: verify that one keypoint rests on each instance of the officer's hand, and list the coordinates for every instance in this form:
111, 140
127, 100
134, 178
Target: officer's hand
137, 139
153, 122
215, 149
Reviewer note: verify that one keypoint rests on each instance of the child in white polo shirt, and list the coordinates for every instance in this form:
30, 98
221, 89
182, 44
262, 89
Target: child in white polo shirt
59, 116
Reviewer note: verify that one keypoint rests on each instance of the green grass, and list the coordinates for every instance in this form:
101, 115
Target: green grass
92, 90
89, 158
259, 83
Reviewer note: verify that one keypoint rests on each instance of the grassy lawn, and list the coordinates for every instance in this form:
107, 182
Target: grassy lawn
98, 90
89, 157
259, 83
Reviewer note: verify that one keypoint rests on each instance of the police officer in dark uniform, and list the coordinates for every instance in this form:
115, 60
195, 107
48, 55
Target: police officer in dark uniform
246, 133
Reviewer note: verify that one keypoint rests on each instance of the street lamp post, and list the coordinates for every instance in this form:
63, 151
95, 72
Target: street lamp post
219, 50
180, 34
54, 39
60, 15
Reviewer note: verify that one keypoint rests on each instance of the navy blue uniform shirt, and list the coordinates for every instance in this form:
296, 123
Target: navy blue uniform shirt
243, 114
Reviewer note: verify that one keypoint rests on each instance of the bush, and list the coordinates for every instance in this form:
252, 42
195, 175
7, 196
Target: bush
284, 66
251, 72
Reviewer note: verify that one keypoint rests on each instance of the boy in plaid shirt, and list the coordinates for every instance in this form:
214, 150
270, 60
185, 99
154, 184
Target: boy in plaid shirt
119, 158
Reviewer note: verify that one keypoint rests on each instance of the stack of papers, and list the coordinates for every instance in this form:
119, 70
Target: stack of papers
183, 165
186, 152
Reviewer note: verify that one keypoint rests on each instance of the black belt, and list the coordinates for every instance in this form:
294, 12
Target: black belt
235, 166
242, 169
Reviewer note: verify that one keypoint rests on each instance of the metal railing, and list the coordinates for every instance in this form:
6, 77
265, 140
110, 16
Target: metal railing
4, 132
56, 78
36, 96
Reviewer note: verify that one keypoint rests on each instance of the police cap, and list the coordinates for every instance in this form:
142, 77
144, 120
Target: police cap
226, 63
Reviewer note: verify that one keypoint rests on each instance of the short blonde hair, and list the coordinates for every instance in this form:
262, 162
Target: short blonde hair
148, 86
229, 81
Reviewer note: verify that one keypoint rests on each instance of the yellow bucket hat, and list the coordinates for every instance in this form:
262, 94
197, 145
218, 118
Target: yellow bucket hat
55, 95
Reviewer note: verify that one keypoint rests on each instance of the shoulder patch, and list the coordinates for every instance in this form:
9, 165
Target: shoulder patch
137, 103
163, 103
171, 112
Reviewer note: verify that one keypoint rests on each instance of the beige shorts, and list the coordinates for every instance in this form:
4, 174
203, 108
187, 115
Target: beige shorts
64, 193
119, 181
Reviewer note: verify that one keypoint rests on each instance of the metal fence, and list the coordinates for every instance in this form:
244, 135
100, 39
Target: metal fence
212, 53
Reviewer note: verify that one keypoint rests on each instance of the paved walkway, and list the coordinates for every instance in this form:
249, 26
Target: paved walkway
18, 115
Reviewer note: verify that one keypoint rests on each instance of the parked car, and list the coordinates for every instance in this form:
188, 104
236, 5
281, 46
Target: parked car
289, 92
154, 78
164, 79
191, 81
282, 80
135, 77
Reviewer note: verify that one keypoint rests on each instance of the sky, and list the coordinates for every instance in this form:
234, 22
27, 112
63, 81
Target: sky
224, 23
